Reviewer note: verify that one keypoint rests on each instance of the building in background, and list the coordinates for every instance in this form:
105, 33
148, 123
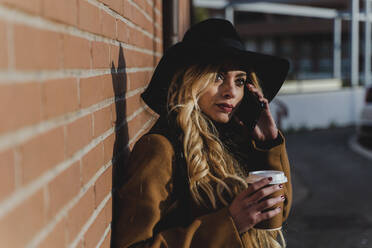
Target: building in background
307, 42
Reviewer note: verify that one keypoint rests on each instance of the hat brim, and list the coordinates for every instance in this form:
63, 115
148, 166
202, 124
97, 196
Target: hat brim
271, 70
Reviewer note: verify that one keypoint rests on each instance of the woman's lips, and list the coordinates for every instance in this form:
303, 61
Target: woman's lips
225, 107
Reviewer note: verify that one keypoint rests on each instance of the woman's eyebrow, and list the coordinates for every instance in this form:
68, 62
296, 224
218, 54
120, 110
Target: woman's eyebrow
241, 74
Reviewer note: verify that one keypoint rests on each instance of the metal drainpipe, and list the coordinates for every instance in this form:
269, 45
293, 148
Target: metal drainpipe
175, 14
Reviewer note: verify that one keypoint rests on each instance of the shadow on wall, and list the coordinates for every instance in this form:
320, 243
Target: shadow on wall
121, 148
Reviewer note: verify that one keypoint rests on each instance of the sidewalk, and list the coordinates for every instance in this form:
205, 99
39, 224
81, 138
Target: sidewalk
361, 150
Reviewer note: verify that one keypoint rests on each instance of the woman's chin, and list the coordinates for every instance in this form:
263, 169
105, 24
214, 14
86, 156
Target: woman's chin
221, 118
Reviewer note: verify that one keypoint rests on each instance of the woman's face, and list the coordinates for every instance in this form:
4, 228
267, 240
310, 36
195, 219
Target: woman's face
220, 99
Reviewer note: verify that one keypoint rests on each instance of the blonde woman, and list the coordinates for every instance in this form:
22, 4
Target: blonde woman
186, 182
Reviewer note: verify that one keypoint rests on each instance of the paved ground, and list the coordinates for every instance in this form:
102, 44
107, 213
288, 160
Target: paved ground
332, 192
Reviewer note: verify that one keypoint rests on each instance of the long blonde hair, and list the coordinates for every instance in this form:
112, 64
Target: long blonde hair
211, 168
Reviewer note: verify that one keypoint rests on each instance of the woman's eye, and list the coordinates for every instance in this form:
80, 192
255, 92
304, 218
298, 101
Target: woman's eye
219, 77
241, 81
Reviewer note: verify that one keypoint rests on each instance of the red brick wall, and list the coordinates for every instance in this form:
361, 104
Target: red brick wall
71, 72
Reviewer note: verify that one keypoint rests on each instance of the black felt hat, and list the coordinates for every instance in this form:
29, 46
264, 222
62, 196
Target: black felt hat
212, 41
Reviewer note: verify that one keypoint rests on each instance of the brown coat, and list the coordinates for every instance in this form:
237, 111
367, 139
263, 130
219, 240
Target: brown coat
146, 199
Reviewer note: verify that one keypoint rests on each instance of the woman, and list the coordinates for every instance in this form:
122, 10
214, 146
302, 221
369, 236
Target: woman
186, 178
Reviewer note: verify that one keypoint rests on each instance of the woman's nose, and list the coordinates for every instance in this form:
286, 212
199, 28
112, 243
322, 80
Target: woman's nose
228, 88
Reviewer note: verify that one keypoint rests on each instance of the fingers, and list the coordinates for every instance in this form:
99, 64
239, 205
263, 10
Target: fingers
269, 203
262, 193
254, 187
259, 95
268, 214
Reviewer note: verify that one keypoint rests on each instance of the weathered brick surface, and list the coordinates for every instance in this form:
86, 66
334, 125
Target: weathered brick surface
7, 173
20, 105
59, 97
37, 49
41, 153
80, 214
108, 25
88, 17
91, 163
100, 55
62, 11
19, 226
63, 188
95, 231
78, 134
57, 237
30, 6
103, 186
74, 69
3, 45
73, 46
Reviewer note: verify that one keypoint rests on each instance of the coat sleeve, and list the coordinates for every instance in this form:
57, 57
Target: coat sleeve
145, 198
276, 158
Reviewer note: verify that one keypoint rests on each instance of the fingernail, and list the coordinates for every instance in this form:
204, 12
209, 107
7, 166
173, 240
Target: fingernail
270, 178
280, 185
282, 196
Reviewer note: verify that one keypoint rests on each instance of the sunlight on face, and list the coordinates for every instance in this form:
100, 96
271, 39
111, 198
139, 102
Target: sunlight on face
221, 98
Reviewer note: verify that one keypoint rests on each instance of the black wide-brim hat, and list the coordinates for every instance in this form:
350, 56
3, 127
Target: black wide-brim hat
213, 41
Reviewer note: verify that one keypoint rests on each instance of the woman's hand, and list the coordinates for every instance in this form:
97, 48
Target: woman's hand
266, 128
246, 209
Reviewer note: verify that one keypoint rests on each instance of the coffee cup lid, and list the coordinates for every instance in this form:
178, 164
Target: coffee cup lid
278, 176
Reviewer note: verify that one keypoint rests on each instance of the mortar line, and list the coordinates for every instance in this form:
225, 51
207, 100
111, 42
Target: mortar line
20, 136
12, 77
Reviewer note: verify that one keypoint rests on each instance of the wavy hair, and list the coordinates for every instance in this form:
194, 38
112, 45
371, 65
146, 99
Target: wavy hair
212, 177
211, 168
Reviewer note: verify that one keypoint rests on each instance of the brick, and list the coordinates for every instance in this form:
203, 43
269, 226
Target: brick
136, 124
80, 244
102, 121
138, 79
92, 162
41, 153
106, 242
91, 91
60, 97
138, 59
100, 55
108, 25
13, 108
88, 17
36, 49
19, 226
108, 88
7, 173
78, 134
116, 5
63, 189
123, 31
133, 104
72, 46
3, 46
57, 237
119, 81
158, 5
103, 186
62, 11
79, 214
108, 211
136, 38
32, 6
108, 147
114, 56
128, 10
95, 231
